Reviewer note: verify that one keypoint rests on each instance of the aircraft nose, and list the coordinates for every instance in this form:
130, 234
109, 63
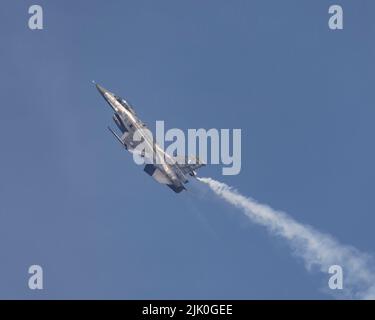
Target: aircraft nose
107, 95
101, 89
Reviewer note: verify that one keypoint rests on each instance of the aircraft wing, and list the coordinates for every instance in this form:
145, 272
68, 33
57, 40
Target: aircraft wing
126, 139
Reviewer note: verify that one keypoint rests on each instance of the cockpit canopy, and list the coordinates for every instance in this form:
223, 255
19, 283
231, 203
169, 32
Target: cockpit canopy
125, 104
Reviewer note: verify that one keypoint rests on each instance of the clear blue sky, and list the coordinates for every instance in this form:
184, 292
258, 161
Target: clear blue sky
72, 201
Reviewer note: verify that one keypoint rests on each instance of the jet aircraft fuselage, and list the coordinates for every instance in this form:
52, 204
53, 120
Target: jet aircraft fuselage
163, 168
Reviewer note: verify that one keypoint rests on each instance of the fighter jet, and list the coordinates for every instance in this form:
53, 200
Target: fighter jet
171, 172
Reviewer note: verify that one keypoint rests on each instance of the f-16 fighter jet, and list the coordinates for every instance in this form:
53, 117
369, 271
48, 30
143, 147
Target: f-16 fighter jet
167, 170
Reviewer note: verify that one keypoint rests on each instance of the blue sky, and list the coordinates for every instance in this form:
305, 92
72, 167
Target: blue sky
72, 201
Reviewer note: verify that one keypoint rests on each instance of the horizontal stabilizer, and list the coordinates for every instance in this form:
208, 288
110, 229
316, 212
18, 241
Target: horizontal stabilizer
189, 165
175, 188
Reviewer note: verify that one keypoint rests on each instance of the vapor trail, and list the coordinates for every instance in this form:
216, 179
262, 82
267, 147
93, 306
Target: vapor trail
315, 248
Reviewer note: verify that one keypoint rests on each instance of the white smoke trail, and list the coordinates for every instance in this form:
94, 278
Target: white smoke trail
315, 248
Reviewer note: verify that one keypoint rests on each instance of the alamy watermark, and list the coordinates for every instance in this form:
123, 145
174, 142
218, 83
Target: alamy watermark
224, 146
336, 281
36, 280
